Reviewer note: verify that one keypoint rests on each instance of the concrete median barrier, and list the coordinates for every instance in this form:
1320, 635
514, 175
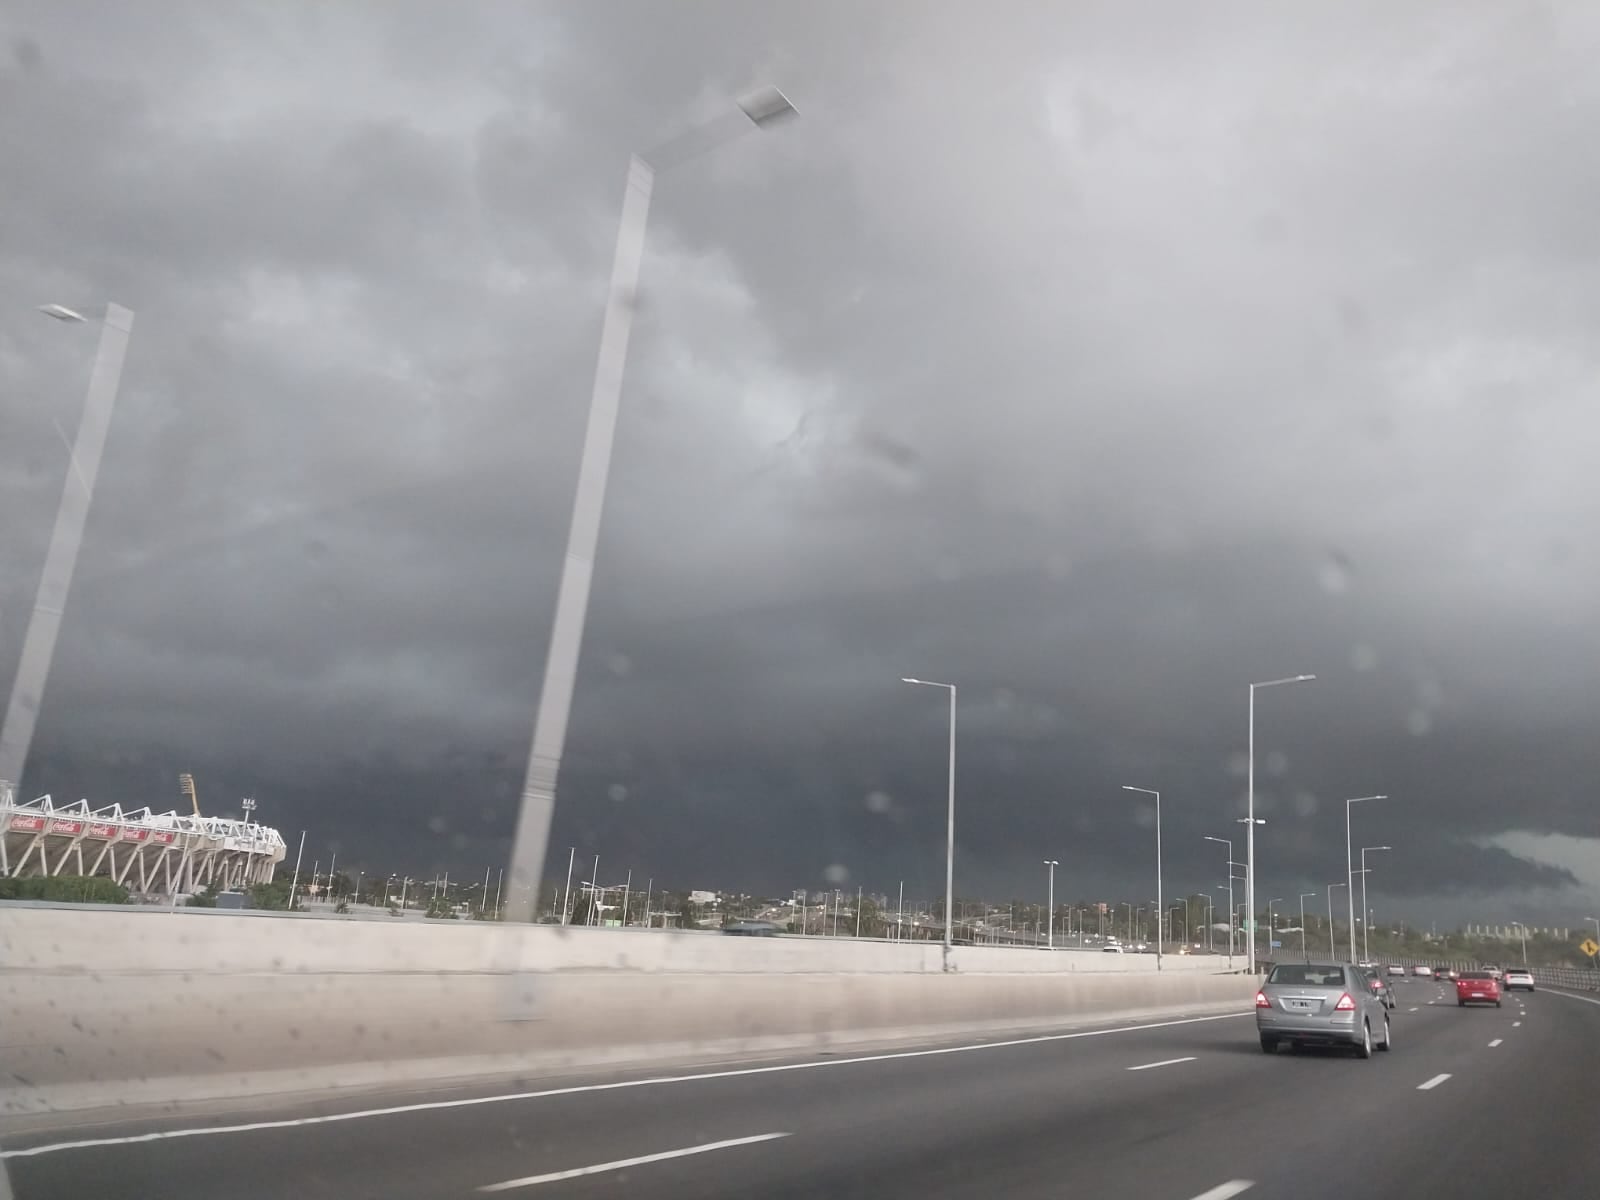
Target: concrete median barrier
108, 1008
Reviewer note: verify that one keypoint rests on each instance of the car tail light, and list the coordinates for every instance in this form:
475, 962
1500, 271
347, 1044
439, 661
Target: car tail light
1262, 1001
1346, 1004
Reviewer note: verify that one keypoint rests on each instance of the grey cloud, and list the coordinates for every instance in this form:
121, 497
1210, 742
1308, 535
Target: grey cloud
1099, 361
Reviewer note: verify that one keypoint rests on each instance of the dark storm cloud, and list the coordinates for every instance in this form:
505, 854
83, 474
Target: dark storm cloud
1100, 362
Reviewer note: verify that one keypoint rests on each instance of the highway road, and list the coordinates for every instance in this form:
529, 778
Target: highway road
1483, 1102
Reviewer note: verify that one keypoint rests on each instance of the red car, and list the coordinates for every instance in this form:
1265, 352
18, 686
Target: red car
1477, 987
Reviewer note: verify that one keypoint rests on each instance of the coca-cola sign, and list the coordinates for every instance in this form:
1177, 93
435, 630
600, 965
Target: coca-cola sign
62, 825
135, 835
164, 836
100, 829
28, 822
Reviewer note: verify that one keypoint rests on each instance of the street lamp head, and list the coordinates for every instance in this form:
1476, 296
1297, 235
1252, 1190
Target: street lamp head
61, 313
1287, 679
1210, 838
767, 105
1051, 862
1251, 821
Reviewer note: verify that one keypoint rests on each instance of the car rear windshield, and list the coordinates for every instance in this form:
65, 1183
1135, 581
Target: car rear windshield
1307, 975
1476, 975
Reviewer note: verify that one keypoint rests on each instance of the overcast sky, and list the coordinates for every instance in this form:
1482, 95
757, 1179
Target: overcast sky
1098, 358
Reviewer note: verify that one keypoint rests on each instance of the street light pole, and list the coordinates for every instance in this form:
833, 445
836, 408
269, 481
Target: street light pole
1270, 903
1332, 952
1523, 930
762, 107
1250, 837
1349, 868
950, 823
1152, 792
1303, 953
1366, 916
72, 513
1210, 920
1229, 844
1050, 938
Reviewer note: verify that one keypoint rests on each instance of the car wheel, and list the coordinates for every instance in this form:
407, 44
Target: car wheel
1388, 1037
1461, 1003
1269, 1045
1364, 1046
1497, 1004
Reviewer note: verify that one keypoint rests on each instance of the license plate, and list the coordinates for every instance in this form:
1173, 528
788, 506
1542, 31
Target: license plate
1301, 1005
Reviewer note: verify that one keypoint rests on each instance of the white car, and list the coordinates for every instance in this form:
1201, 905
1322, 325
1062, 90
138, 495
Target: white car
1518, 977
1110, 949
1422, 972
1396, 969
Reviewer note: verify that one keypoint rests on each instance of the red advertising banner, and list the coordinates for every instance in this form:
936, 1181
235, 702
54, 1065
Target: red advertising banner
26, 821
101, 830
164, 836
62, 825
135, 835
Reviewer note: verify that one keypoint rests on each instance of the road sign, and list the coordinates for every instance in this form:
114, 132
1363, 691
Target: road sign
1277, 945
1589, 947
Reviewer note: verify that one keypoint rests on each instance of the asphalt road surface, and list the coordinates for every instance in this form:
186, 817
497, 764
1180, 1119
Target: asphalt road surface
1480, 1102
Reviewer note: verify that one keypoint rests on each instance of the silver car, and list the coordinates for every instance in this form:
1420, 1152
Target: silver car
1321, 1004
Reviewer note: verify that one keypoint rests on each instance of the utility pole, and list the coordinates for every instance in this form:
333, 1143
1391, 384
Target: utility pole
858, 910
566, 905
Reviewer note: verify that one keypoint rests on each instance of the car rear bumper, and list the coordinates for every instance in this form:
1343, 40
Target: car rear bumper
1309, 1031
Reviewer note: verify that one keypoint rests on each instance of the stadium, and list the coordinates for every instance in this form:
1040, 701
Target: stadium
153, 855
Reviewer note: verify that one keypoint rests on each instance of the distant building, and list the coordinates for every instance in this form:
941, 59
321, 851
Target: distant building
703, 897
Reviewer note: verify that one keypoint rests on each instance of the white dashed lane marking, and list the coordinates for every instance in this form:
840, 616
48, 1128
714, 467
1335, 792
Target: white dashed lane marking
1432, 1083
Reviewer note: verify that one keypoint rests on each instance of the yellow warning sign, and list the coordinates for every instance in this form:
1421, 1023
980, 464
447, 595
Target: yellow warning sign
1589, 947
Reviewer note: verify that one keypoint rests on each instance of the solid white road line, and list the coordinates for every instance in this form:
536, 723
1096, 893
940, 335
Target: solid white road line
1224, 1191
1495, 1043
1574, 996
624, 1163
1166, 1062
579, 1089
1432, 1083
1413, 1009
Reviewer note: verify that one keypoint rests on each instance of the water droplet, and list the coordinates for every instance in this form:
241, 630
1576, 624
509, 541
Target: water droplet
620, 664
1277, 763
1239, 764
617, 792
1334, 574
837, 873
1363, 657
879, 802
1419, 722
1305, 804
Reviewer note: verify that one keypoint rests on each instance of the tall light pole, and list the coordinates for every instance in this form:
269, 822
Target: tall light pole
1229, 844
1270, 903
1209, 919
762, 108
950, 822
1350, 868
1303, 953
1366, 916
77, 491
1152, 792
1050, 938
1331, 951
1523, 930
1250, 818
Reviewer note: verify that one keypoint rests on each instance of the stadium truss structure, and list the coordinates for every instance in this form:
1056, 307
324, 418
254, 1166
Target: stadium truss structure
151, 854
